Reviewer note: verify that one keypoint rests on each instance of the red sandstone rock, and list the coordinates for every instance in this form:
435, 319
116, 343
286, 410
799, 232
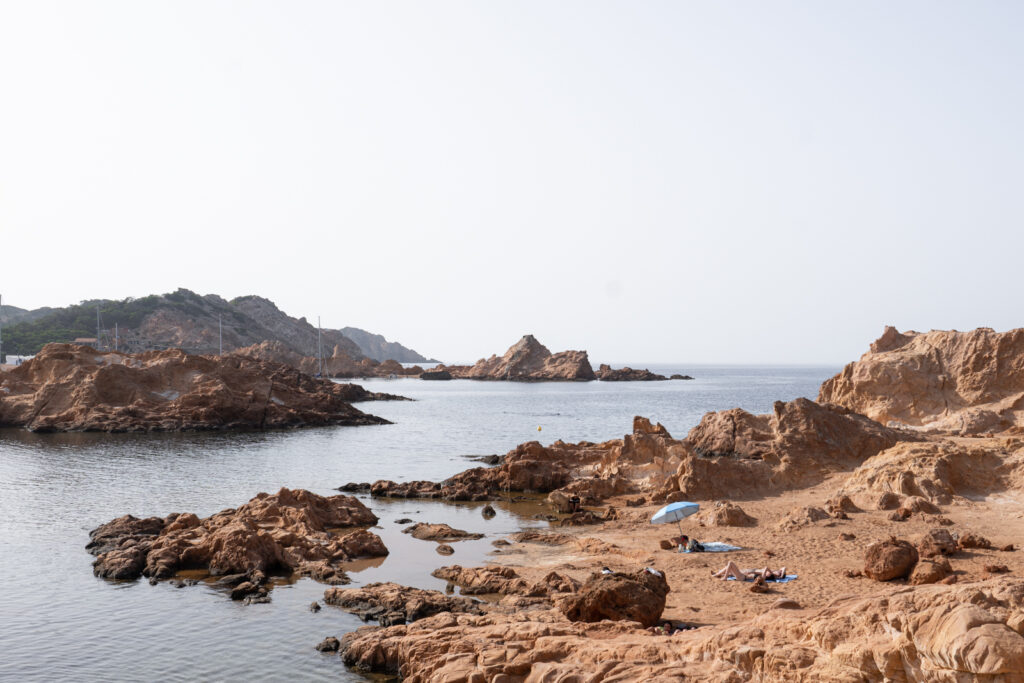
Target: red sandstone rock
972, 540
527, 361
962, 382
75, 388
377, 599
639, 596
724, 513
891, 559
288, 531
930, 571
936, 542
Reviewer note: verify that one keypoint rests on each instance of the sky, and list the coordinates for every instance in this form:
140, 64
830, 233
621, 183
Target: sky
691, 182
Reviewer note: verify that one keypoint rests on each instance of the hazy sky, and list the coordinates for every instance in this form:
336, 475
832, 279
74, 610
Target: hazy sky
651, 181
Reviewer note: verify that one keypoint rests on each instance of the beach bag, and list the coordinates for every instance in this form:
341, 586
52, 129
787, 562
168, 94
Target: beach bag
694, 546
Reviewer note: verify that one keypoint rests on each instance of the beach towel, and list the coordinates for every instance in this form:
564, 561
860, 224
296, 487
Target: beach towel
785, 579
716, 547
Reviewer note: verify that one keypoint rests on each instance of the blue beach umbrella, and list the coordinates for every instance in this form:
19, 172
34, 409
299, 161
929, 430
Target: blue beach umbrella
674, 512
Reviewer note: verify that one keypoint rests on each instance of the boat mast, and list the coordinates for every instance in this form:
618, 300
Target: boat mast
98, 325
319, 351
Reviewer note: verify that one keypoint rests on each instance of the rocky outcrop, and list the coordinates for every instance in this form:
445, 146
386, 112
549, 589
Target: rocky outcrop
339, 364
798, 445
605, 373
76, 388
391, 603
938, 472
727, 453
953, 382
618, 596
527, 361
943, 633
637, 462
290, 532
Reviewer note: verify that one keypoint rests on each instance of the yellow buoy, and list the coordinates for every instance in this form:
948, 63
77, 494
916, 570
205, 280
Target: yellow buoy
538, 428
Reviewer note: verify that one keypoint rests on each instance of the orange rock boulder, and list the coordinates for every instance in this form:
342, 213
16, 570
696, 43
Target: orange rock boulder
637, 596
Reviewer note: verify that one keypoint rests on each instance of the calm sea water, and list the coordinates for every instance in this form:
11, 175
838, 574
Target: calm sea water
59, 622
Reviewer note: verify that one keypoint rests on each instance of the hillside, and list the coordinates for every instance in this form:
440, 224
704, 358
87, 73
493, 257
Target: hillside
181, 319
378, 348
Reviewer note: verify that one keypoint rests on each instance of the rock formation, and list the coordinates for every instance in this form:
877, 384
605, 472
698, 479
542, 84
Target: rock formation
932, 632
76, 388
291, 532
636, 596
729, 452
439, 532
939, 472
605, 373
953, 382
391, 603
725, 513
526, 361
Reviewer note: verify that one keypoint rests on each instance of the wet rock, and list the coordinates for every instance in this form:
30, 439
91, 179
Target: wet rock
500, 542
354, 487
287, 532
436, 375
403, 520
638, 596
439, 532
972, 540
678, 376
377, 599
582, 518
243, 589
488, 512
445, 549
314, 606
888, 560
936, 542
260, 598
329, 644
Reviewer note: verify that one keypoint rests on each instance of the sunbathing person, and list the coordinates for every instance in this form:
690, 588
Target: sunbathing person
732, 569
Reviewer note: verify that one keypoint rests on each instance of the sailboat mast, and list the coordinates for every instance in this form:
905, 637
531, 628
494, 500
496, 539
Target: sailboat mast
319, 351
98, 325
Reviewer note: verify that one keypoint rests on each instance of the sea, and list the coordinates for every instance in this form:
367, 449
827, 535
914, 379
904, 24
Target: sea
60, 623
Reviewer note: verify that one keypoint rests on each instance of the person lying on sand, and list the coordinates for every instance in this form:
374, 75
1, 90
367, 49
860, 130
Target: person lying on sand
732, 569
